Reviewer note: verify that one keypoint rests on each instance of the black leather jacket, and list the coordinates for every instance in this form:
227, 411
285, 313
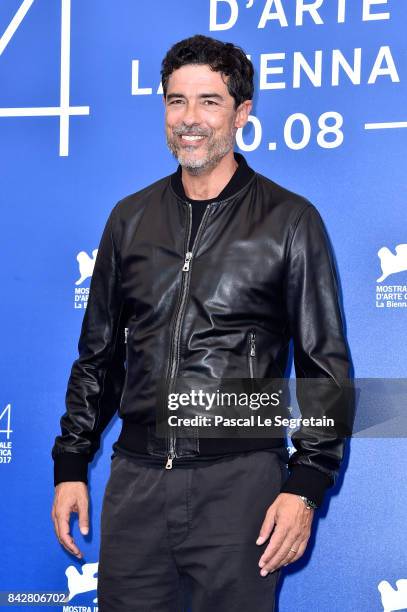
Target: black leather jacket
260, 269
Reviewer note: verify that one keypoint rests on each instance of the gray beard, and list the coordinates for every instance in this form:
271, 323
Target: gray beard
215, 153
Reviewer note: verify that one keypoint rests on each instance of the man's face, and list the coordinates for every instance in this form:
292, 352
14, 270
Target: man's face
200, 119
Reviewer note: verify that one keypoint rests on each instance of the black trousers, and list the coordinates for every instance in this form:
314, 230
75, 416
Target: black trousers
185, 539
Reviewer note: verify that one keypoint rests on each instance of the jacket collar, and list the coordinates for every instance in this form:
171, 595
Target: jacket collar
242, 175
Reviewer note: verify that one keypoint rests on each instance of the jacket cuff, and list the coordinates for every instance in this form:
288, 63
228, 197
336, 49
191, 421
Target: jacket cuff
70, 467
307, 481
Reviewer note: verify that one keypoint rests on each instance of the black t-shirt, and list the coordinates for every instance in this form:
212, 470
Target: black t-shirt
198, 210
238, 180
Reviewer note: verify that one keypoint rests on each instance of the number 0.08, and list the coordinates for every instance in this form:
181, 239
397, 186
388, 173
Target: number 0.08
329, 123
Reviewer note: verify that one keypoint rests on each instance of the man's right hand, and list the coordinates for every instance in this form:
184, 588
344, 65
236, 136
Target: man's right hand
70, 497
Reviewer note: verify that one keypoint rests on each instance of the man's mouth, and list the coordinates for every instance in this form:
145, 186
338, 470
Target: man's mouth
191, 137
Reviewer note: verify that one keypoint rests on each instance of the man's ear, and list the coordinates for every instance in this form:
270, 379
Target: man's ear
242, 113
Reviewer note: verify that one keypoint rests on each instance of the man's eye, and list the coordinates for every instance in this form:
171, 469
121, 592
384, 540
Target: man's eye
210, 102
175, 101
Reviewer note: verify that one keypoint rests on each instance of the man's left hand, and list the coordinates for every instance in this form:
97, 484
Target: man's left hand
292, 521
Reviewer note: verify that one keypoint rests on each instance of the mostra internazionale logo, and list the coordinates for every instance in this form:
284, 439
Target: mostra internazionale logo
392, 264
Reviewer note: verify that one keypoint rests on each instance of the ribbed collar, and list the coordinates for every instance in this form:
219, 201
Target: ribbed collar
241, 176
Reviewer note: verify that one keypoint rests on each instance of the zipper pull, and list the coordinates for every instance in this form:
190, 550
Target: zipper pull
126, 331
252, 344
188, 257
168, 465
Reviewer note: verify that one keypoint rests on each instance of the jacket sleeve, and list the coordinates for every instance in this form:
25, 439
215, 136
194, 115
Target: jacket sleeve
321, 354
97, 375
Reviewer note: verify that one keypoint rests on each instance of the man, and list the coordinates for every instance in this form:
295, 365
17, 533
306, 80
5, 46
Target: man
206, 273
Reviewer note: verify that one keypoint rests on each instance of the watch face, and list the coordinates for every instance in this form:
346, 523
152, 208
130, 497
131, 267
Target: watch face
309, 504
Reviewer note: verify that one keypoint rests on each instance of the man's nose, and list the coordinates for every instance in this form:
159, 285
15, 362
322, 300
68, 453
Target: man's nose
191, 114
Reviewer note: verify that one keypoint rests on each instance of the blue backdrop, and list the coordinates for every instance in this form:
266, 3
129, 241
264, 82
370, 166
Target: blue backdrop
81, 126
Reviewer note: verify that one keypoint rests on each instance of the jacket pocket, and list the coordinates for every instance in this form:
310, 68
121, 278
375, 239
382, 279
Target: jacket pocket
251, 353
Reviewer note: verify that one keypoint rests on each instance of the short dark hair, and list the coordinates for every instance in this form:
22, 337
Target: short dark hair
226, 58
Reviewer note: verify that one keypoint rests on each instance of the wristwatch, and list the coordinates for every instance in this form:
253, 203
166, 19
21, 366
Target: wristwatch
308, 502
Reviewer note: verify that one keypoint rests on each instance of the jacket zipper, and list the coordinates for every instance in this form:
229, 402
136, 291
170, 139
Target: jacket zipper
126, 333
174, 354
252, 352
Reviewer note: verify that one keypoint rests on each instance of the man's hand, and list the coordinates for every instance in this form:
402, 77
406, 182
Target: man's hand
70, 497
292, 521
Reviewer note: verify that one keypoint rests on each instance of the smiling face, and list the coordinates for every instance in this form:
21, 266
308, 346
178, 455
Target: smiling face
200, 118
